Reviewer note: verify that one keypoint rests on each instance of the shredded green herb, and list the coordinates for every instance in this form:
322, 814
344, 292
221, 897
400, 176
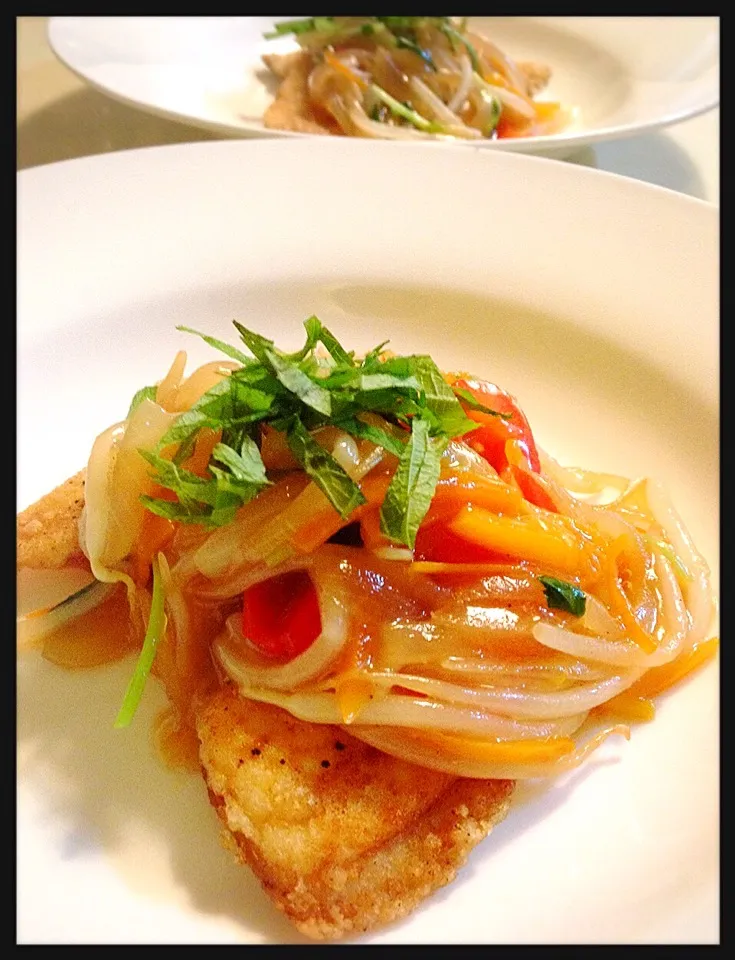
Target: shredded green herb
154, 632
321, 384
564, 596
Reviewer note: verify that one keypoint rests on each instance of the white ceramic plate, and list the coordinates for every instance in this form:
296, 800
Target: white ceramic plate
622, 75
591, 297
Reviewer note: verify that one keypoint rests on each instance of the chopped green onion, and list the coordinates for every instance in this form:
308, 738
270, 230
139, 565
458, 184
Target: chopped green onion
154, 632
401, 110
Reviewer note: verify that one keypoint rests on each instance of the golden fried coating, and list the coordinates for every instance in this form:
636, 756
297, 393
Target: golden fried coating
290, 110
537, 76
47, 533
342, 836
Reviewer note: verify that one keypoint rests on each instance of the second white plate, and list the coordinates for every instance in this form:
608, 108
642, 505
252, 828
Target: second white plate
622, 75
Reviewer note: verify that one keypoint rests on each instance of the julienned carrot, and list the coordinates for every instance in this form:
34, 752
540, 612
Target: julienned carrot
156, 532
628, 706
463, 488
353, 692
323, 524
523, 537
501, 751
619, 601
342, 68
206, 441
658, 679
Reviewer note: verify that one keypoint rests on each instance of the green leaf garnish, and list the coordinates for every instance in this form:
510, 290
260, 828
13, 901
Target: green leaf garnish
154, 632
473, 404
340, 489
366, 431
405, 112
411, 490
407, 43
300, 384
564, 596
218, 345
321, 384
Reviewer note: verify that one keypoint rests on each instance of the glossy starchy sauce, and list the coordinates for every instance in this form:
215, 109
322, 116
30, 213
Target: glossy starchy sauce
101, 635
106, 634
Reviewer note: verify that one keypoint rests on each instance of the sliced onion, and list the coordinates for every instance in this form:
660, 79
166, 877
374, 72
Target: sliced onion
195, 386
433, 104
396, 743
465, 83
501, 62
625, 653
697, 591
264, 528
405, 711
527, 704
116, 477
598, 620
170, 383
579, 480
513, 105
488, 670
34, 626
460, 456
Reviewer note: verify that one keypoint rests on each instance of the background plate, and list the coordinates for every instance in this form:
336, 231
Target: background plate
623, 75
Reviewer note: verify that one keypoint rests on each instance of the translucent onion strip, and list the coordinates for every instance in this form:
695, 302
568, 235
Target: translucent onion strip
465, 83
425, 754
528, 704
432, 104
487, 671
579, 480
623, 653
403, 711
697, 591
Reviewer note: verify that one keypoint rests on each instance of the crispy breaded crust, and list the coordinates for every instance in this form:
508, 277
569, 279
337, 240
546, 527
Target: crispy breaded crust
290, 109
342, 836
47, 533
537, 76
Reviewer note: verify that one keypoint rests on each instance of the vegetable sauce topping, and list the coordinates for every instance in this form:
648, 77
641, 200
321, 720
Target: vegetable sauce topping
374, 543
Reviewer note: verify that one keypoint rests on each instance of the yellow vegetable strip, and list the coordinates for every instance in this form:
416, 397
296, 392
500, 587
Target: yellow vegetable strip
658, 679
506, 751
621, 605
522, 537
628, 706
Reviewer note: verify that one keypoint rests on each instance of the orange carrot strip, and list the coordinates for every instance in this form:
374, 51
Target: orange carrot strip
628, 706
463, 488
320, 527
620, 603
155, 534
658, 679
501, 751
522, 537
342, 68
205, 442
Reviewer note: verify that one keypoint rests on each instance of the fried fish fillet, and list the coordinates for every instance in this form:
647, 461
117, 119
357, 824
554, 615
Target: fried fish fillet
342, 836
47, 533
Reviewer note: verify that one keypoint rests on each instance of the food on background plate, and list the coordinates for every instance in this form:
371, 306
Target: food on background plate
373, 601
405, 78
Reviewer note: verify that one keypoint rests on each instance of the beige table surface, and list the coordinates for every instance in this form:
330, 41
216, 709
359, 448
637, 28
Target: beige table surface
59, 117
